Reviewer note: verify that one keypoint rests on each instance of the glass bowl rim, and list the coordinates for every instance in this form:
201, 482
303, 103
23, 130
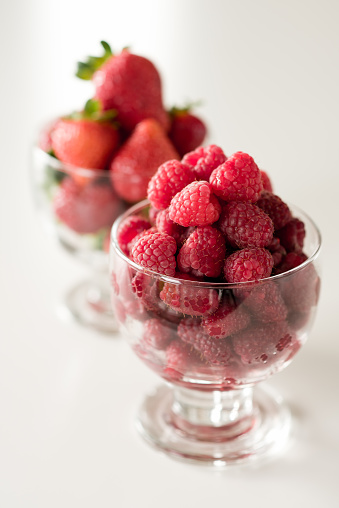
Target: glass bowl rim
70, 168
207, 284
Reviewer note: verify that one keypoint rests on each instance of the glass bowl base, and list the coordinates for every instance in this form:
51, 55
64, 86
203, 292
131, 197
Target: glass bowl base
89, 304
260, 434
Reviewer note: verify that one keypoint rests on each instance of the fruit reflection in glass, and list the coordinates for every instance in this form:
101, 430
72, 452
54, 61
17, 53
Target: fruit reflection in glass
215, 337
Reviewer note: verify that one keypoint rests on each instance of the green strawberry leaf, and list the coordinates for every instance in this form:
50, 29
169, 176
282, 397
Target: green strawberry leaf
92, 107
93, 111
85, 70
176, 110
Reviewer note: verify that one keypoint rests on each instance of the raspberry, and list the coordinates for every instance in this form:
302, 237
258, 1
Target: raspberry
203, 253
177, 358
190, 299
195, 205
245, 225
146, 289
264, 302
237, 179
215, 351
156, 335
275, 208
128, 229
292, 235
266, 182
170, 178
298, 320
300, 290
156, 252
166, 225
289, 261
227, 320
248, 265
152, 214
149, 231
264, 343
277, 251
204, 160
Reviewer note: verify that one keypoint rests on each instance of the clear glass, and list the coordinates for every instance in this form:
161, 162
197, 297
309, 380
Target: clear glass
78, 207
211, 409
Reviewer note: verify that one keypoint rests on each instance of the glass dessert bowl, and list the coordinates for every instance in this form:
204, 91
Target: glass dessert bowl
214, 344
78, 207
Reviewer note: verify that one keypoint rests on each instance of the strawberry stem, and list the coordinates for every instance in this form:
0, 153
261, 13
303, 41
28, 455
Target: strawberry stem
85, 70
176, 110
93, 111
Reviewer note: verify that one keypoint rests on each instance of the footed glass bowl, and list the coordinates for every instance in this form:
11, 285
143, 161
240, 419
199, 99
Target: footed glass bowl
78, 207
213, 407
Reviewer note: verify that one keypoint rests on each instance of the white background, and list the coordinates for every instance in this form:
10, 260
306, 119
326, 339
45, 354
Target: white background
267, 73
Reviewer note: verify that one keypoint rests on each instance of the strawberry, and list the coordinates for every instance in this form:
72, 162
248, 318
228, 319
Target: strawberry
85, 209
128, 83
187, 131
87, 139
139, 158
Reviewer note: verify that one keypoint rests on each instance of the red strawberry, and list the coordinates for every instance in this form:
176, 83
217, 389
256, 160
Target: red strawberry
139, 158
85, 209
86, 139
187, 131
128, 83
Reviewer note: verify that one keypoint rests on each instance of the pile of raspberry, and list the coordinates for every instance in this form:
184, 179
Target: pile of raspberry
215, 219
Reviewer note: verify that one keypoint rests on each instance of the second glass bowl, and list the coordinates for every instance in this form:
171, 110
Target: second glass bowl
78, 207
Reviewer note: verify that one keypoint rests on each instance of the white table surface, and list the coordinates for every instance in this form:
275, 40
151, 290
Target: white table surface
68, 395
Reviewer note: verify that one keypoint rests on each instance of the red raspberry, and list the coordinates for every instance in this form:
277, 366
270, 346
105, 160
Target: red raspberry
263, 343
278, 251
171, 177
227, 320
215, 351
245, 225
266, 182
122, 286
149, 231
265, 302
300, 290
237, 179
146, 289
195, 205
166, 225
85, 209
190, 299
289, 261
156, 252
129, 229
177, 359
204, 160
248, 265
156, 335
275, 208
298, 320
292, 235
203, 253
152, 214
